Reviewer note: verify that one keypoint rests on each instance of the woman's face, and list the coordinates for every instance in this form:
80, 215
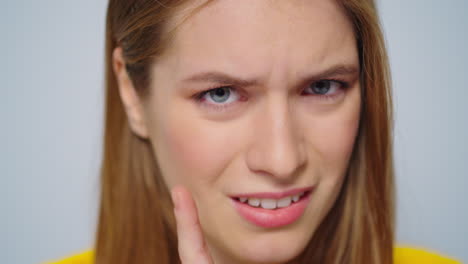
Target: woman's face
285, 116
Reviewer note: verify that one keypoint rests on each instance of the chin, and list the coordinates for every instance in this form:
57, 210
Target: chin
271, 248
268, 255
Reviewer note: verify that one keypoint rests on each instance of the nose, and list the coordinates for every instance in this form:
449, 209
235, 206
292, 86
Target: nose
277, 148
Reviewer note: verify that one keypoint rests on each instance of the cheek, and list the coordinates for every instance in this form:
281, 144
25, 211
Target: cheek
337, 138
191, 152
333, 137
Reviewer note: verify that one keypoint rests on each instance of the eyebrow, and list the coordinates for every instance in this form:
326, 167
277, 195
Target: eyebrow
223, 78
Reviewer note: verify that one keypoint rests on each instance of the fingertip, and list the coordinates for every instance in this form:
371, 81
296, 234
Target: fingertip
175, 195
191, 243
179, 196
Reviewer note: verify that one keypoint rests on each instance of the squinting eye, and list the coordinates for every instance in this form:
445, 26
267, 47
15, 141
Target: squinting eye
220, 95
221, 98
325, 87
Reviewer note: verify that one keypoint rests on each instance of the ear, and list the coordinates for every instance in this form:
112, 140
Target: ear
129, 96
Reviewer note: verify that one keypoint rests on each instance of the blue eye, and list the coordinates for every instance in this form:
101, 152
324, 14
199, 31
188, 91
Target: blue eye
220, 95
224, 97
321, 87
326, 87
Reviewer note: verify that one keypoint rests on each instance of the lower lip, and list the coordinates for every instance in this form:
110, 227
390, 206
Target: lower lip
273, 218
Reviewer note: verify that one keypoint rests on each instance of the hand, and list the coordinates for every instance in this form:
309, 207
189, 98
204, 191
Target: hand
192, 246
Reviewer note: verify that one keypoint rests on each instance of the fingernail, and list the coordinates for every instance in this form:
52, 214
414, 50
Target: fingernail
175, 199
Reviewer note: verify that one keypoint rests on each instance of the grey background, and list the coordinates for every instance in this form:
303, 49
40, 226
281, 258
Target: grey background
51, 111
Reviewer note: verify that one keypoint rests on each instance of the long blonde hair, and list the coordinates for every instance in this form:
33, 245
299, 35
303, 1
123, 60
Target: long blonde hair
136, 224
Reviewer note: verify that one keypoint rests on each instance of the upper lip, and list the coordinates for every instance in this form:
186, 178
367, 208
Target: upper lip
274, 195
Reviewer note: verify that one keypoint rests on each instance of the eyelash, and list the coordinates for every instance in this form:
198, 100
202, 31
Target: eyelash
221, 107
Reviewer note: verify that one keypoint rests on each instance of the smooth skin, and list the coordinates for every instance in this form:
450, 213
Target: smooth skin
192, 246
268, 127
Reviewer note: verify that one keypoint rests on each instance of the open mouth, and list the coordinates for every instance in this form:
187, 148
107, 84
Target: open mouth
273, 210
273, 204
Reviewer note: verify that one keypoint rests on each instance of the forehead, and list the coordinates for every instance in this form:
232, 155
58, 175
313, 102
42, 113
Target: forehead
263, 35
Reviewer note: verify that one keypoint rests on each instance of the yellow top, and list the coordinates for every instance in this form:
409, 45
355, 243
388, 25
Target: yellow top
402, 256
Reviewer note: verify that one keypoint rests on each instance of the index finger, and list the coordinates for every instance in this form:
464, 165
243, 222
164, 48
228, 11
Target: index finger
192, 246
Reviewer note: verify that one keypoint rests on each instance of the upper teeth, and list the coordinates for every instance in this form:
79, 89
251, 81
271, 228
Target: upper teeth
268, 203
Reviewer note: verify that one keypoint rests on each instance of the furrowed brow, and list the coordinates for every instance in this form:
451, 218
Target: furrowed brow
337, 70
223, 78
